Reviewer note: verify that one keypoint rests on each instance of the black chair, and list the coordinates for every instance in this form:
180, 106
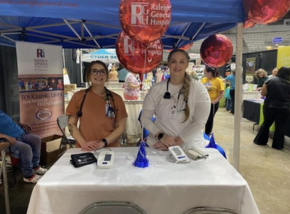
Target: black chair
62, 122
12, 166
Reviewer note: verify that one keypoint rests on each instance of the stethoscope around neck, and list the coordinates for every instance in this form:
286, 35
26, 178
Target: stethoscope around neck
108, 95
167, 94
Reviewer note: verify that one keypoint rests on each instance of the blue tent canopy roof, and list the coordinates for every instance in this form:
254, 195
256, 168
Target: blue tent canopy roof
95, 24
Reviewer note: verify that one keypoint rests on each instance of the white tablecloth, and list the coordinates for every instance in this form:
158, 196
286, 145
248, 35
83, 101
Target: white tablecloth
248, 95
162, 188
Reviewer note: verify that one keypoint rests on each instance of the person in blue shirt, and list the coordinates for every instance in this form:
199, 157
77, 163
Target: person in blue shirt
231, 79
24, 145
228, 98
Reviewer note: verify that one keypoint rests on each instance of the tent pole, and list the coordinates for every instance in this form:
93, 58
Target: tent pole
238, 95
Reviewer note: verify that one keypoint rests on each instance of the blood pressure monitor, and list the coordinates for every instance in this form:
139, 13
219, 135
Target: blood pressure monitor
106, 159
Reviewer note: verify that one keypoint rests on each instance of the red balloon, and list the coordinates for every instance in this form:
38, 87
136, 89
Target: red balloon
249, 24
145, 21
268, 11
216, 50
136, 57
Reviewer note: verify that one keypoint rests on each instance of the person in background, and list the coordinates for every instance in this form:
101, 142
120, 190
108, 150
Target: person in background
154, 72
159, 75
181, 107
122, 73
24, 145
274, 72
131, 87
231, 79
215, 87
101, 113
276, 108
228, 98
261, 77
165, 74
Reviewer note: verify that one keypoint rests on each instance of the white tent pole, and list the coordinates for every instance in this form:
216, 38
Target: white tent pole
63, 58
238, 95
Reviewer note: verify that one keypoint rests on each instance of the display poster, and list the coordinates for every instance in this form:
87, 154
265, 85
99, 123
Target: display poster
283, 57
250, 66
40, 81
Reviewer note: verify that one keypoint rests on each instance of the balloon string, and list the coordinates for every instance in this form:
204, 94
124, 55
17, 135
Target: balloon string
145, 59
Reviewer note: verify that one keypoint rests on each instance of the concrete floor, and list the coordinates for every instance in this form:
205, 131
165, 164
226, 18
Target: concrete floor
265, 169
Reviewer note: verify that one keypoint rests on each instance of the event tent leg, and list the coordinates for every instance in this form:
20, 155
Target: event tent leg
238, 95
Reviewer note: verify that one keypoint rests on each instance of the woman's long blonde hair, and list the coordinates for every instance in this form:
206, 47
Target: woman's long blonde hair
186, 82
259, 71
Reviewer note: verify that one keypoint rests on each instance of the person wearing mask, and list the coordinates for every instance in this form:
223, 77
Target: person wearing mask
261, 77
24, 145
231, 79
181, 106
101, 113
276, 108
215, 87
131, 87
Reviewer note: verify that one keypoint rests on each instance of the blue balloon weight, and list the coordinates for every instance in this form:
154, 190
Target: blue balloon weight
141, 159
213, 145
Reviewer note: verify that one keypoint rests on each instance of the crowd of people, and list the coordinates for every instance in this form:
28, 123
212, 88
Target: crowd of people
184, 107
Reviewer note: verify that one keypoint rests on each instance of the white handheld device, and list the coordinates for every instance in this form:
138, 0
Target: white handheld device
106, 159
178, 154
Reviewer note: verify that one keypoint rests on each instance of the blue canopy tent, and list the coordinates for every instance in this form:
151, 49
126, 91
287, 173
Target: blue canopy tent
95, 24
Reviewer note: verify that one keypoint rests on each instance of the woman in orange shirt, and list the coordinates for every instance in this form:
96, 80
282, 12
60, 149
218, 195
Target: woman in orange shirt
102, 113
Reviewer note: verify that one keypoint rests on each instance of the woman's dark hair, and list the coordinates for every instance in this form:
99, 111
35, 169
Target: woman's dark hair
88, 70
284, 73
213, 70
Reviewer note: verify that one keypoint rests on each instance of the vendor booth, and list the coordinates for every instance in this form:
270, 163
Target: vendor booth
91, 24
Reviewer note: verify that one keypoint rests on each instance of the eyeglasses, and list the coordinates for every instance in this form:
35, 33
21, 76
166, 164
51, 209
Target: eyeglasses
102, 72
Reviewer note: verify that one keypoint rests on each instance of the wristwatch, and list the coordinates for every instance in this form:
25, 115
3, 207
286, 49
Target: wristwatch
160, 135
105, 142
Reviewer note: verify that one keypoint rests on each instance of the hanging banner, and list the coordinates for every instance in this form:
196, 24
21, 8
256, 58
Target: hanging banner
283, 57
40, 81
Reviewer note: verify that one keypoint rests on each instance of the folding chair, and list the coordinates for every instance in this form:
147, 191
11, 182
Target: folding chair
112, 207
62, 122
210, 210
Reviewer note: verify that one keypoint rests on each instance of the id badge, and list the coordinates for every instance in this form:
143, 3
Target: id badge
111, 112
107, 106
173, 113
